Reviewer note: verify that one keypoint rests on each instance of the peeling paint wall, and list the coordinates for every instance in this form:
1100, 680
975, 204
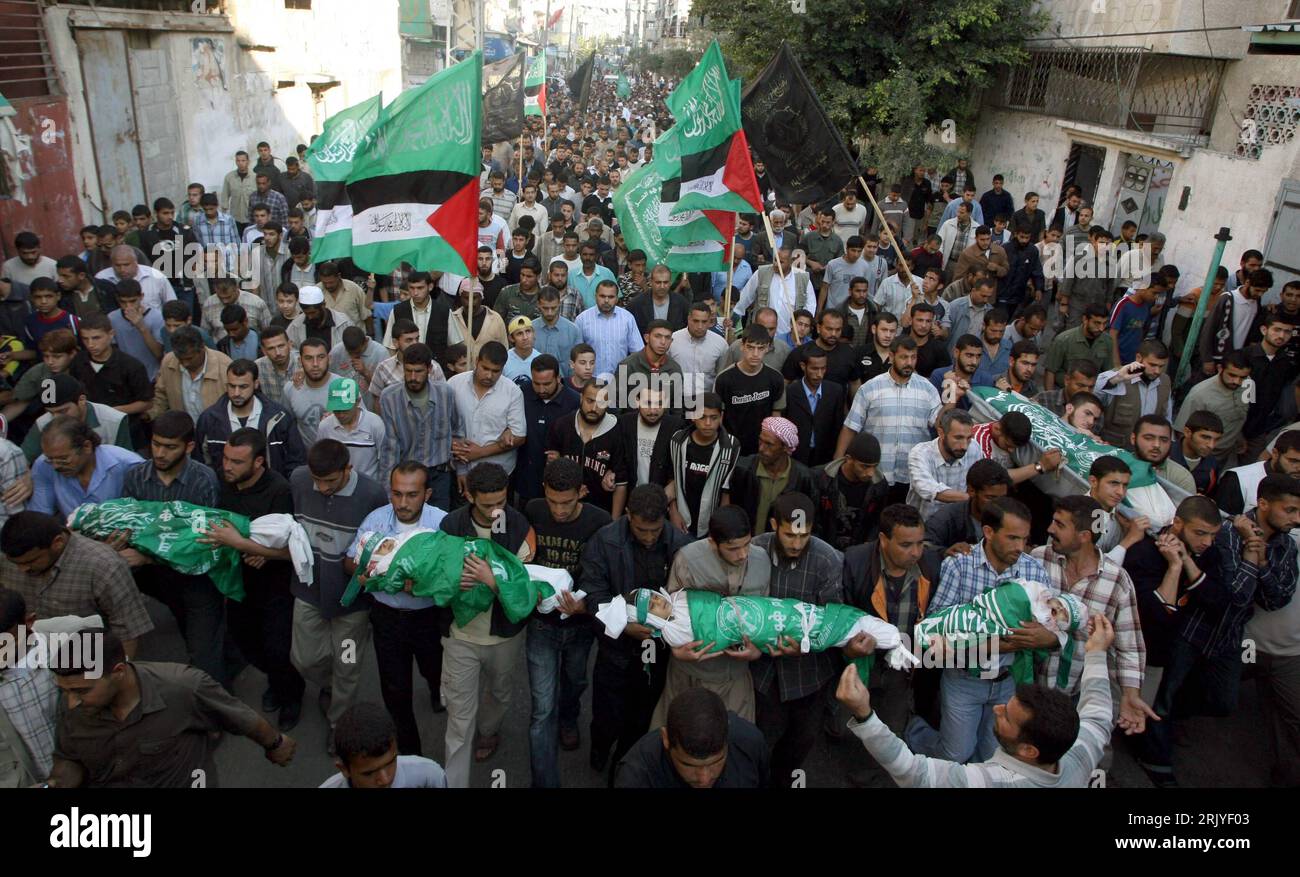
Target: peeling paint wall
1029, 151
51, 211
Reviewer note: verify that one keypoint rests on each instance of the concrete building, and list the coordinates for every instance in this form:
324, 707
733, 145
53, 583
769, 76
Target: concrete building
1180, 124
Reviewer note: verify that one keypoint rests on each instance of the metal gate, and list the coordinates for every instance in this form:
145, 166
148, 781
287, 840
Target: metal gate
1282, 253
106, 75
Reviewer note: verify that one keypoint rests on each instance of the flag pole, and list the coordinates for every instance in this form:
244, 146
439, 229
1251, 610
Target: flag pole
731, 273
885, 225
776, 263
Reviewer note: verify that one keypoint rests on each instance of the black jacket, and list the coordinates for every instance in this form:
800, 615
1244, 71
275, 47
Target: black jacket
104, 292
459, 523
609, 569
1025, 265
862, 571
824, 424
284, 450
838, 524
435, 331
661, 464
746, 487
642, 309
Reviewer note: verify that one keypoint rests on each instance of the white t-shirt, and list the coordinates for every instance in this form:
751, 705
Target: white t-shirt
645, 446
849, 222
21, 275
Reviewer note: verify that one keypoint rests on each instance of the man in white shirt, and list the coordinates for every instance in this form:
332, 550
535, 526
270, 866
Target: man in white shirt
697, 350
783, 293
17, 274
528, 206
937, 468
156, 290
492, 411
849, 216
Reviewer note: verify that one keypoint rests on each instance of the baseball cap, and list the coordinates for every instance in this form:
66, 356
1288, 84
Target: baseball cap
66, 389
518, 323
342, 395
311, 295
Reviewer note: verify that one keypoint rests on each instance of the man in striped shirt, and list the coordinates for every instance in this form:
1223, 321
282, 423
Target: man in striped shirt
898, 408
1074, 565
420, 418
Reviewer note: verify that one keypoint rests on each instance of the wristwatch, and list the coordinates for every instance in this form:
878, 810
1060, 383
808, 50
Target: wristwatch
1038, 467
279, 740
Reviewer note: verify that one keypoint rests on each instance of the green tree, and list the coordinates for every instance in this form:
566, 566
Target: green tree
886, 70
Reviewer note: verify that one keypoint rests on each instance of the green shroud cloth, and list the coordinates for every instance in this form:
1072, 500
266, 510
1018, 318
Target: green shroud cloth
727, 621
997, 611
168, 533
433, 562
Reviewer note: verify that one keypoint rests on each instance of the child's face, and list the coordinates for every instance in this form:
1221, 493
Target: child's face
89, 240
45, 301
57, 363
121, 225
659, 606
1060, 614
386, 547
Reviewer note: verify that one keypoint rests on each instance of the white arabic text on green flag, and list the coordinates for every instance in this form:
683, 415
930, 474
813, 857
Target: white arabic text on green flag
330, 160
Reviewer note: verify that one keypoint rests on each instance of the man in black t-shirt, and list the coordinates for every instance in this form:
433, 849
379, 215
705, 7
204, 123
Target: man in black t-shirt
590, 436
702, 746
750, 390
262, 624
841, 364
931, 352
558, 647
873, 352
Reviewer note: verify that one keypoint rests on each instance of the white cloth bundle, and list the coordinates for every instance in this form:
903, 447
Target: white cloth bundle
559, 580
280, 531
1154, 503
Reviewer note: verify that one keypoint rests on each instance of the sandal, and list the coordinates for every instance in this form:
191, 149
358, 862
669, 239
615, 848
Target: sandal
486, 747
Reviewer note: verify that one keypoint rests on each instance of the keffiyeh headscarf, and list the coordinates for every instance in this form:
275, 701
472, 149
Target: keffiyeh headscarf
784, 430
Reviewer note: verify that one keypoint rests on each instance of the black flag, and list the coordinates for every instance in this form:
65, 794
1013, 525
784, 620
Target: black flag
789, 130
503, 99
580, 83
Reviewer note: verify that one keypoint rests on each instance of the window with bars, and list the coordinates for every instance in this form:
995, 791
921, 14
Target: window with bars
25, 66
1271, 118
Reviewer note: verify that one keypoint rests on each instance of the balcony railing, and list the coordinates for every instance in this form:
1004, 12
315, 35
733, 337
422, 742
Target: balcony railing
1170, 96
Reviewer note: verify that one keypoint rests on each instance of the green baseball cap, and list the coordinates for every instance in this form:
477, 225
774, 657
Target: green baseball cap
343, 395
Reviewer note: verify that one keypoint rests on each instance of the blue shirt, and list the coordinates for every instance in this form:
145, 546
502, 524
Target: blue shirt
247, 349
740, 276
1129, 319
976, 213
991, 368
384, 520
936, 378
613, 336
963, 577
557, 340
58, 494
586, 286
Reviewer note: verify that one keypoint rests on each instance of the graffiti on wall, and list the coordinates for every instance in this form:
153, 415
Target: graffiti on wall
208, 62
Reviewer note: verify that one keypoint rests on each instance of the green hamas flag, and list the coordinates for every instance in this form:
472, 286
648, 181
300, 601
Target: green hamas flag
693, 225
330, 161
716, 171
535, 87
414, 182
624, 88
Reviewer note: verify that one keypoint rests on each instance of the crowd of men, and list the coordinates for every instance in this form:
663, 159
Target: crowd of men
799, 426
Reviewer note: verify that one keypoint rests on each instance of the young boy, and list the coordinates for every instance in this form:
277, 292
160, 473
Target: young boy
286, 300
582, 364
57, 349
45, 317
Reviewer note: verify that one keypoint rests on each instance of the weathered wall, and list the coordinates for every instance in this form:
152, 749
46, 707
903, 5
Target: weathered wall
51, 211
1029, 151
1142, 17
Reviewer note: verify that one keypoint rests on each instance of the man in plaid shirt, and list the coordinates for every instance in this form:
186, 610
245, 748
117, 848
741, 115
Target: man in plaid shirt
968, 694
273, 200
788, 685
29, 702
1075, 565
214, 228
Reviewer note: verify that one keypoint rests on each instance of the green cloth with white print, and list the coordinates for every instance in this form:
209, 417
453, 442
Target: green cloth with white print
996, 612
168, 533
433, 562
726, 621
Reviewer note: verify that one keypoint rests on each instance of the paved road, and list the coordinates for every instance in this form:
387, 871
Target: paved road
1210, 752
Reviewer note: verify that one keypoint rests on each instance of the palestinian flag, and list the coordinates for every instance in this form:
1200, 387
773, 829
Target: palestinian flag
698, 256
414, 183
330, 161
535, 87
716, 171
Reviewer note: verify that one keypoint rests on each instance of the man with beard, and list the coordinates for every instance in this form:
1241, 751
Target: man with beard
697, 350
473, 324
1252, 565
1019, 376
1273, 372
758, 480
873, 351
635, 551
611, 331
955, 528
968, 700
789, 686
937, 468
262, 623
901, 407
546, 400
646, 434
170, 475
841, 365
558, 647
727, 563
405, 626
891, 577
1088, 340
965, 315
1075, 566
1027, 325
930, 349
703, 456
244, 406
306, 398
316, 320
1152, 439
1224, 395
557, 280
591, 438
954, 381
996, 357
859, 311
815, 406
420, 420
1239, 487
1228, 326
277, 364
1009, 441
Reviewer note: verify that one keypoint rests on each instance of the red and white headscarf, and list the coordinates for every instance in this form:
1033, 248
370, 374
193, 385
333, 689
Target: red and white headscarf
784, 430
